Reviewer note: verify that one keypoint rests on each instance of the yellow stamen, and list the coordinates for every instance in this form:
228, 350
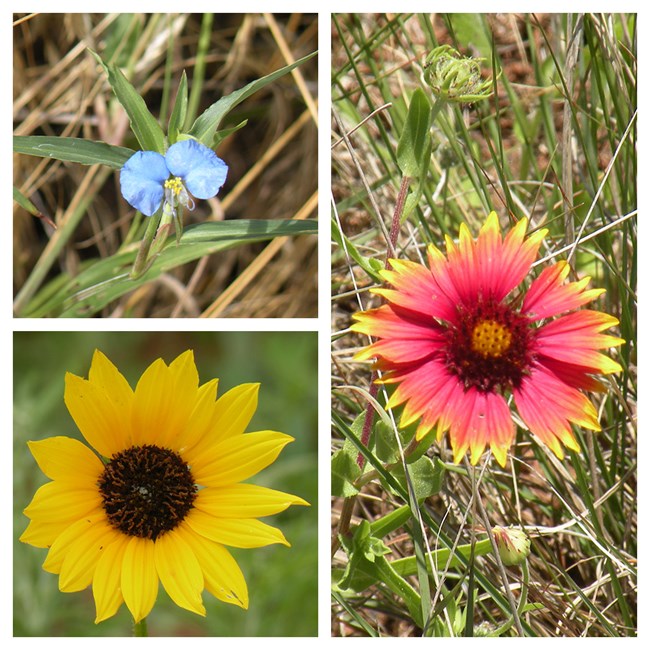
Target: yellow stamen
174, 184
490, 339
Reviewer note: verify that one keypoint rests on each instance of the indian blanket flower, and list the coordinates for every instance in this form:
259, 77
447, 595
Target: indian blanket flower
162, 494
188, 166
462, 345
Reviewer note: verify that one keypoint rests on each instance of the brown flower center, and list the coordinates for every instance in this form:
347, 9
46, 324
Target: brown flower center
489, 346
146, 491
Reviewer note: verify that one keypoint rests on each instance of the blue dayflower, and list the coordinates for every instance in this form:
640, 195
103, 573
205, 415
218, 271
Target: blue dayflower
188, 166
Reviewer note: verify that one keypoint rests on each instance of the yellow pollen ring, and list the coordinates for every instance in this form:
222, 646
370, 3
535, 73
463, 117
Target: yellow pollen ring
490, 339
174, 184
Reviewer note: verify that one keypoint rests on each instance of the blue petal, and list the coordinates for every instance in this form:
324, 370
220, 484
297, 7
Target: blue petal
141, 181
201, 170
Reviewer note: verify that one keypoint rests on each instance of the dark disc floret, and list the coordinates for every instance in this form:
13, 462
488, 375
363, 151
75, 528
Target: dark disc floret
146, 491
489, 346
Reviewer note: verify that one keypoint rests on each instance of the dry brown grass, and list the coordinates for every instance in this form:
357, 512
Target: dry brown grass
59, 90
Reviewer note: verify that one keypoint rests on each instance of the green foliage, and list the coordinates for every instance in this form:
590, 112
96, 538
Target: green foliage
144, 125
127, 46
76, 150
88, 292
206, 124
414, 146
556, 143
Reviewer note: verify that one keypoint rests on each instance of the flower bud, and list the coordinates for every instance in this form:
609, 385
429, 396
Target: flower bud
512, 543
455, 77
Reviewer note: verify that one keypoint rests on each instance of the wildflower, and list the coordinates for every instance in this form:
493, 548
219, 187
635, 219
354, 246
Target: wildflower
162, 497
148, 177
459, 343
512, 543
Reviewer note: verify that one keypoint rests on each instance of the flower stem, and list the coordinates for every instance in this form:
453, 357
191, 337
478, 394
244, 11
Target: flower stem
140, 264
140, 628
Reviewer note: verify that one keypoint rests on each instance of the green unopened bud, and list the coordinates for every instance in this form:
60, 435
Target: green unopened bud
512, 543
455, 77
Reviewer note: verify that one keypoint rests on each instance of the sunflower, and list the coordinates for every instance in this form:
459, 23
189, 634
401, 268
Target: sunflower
161, 495
459, 341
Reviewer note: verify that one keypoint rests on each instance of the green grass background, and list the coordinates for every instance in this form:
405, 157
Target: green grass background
282, 581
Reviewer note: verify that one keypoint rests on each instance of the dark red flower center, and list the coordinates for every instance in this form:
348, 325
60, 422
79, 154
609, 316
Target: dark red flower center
146, 491
489, 346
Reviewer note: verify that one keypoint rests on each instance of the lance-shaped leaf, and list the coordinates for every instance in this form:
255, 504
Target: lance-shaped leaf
144, 125
208, 122
414, 147
177, 118
78, 150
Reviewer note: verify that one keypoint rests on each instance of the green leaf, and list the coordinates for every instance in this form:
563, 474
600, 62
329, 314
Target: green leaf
144, 125
207, 123
78, 150
414, 147
386, 447
105, 280
219, 136
25, 203
345, 471
426, 477
177, 118
370, 265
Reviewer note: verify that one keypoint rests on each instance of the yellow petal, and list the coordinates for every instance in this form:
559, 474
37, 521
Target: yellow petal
222, 575
66, 458
104, 426
179, 571
233, 412
200, 422
60, 501
83, 554
105, 375
164, 400
107, 578
139, 577
43, 533
61, 545
237, 458
240, 533
244, 501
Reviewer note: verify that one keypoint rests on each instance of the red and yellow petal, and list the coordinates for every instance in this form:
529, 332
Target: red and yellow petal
518, 255
548, 406
385, 323
574, 338
478, 420
549, 295
416, 289
424, 389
